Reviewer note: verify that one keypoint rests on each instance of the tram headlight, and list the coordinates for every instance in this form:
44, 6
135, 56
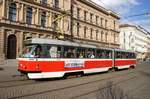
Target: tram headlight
37, 67
20, 65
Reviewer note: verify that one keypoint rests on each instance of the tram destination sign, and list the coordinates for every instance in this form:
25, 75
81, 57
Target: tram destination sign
74, 64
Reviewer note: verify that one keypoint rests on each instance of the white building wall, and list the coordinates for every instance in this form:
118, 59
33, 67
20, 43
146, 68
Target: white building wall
136, 39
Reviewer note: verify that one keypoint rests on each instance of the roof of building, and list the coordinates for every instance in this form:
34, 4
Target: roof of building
136, 26
100, 8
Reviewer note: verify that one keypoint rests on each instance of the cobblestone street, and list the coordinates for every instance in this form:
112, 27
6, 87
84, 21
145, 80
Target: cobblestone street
133, 83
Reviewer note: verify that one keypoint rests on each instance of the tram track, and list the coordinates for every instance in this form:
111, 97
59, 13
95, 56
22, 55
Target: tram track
63, 88
23, 82
72, 86
96, 90
14, 80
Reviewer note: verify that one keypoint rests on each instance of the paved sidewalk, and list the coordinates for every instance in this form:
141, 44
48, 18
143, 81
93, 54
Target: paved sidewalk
8, 70
9, 63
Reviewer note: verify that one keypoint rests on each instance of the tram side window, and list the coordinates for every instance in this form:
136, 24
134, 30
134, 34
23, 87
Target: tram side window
53, 52
81, 53
46, 51
100, 53
132, 55
59, 52
69, 52
108, 54
123, 54
90, 53
104, 54
118, 55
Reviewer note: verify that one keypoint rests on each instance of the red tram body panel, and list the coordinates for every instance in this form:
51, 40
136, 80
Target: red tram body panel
124, 63
62, 57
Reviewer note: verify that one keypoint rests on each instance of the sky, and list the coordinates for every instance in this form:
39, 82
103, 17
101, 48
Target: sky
127, 9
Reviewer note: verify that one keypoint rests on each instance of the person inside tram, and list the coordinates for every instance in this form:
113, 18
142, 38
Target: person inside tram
103, 54
81, 55
38, 51
91, 55
70, 53
28, 52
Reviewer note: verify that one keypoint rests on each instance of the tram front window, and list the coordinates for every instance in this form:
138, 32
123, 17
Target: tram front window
28, 51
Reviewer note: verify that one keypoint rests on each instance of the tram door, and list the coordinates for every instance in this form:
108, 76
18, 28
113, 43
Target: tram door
11, 47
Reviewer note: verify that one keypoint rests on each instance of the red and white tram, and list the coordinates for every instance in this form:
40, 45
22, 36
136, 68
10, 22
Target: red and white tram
46, 58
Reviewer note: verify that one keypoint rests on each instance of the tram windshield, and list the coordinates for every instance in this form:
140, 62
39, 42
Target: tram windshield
28, 51
41, 51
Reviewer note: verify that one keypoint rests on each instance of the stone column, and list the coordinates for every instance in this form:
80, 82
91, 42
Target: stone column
37, 17
49, 2
61, 25
38, 1
2, 31
22, 13
20, 40
3, 9
33, 15
17, 11
7, 11
61, 4
48, 19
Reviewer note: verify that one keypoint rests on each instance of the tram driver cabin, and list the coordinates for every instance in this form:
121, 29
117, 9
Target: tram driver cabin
47, 58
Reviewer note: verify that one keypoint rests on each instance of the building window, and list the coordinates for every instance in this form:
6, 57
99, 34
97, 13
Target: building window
78, 29
97, 34
106, 36
106, 23
97, 20
43, 19
85, 31
56, 3
114, 25
101, 22
43, 1
12, 12
102, 33
91, 36
29, 15
85, 15
78, 13
114, 38
91, 17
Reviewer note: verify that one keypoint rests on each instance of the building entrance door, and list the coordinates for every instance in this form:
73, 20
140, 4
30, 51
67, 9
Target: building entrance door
11, 47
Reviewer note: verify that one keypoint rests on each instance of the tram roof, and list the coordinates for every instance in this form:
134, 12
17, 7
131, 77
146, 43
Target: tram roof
122, 50
60, 42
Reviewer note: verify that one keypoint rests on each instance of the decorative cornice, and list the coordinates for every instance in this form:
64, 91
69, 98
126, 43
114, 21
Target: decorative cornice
99, 8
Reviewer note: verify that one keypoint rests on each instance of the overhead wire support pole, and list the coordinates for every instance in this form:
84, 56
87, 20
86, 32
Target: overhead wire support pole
58, 19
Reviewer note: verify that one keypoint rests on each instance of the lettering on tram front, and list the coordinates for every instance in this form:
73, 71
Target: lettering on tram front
74, 64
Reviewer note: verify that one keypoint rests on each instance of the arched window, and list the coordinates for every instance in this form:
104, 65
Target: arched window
29, 15
12, 12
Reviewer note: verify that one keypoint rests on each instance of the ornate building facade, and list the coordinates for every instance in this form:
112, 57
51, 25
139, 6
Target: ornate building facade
94, 24
77, 20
